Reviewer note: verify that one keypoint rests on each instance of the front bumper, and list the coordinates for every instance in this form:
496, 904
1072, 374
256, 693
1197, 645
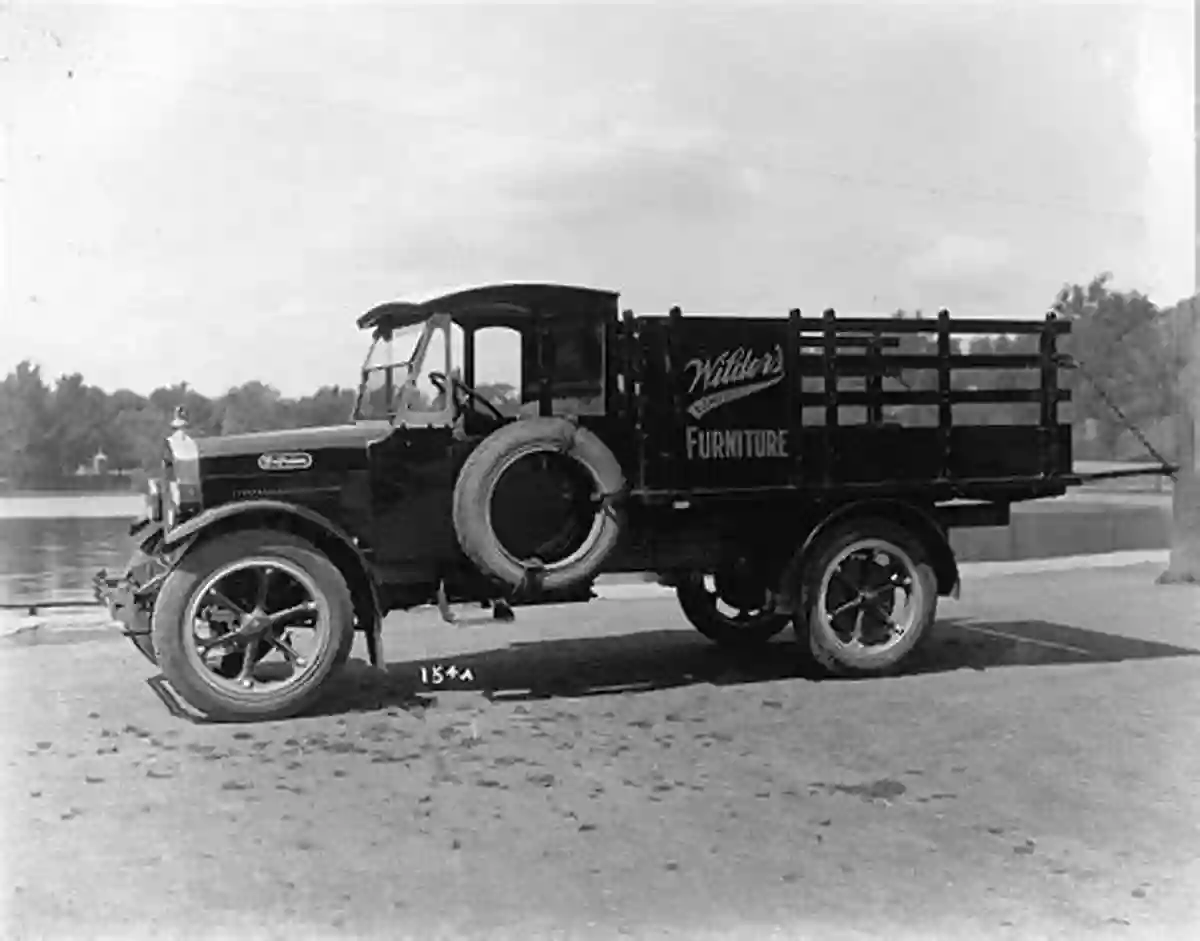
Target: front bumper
120, 595
128, 606
129, 597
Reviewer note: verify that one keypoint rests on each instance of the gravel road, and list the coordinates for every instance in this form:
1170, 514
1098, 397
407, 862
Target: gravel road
605, 773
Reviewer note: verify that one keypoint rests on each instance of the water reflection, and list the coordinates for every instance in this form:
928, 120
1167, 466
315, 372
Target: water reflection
55, 558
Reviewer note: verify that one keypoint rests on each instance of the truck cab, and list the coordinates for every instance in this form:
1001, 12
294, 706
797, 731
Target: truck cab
419, 380
562, 368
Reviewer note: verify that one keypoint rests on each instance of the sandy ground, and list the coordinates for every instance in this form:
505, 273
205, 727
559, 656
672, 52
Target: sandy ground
606, 773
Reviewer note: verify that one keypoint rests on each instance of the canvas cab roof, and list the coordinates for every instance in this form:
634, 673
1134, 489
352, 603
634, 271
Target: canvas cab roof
498, 305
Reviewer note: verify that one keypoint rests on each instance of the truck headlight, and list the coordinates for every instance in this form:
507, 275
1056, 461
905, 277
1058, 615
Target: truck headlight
182, 495
171, 504
154, 502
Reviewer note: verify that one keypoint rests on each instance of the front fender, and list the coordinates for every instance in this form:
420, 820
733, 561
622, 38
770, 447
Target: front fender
359, 579
208, 518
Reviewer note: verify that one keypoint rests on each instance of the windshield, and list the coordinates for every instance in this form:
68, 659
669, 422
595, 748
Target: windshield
385, 370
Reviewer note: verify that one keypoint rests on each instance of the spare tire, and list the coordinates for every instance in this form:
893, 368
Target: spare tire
487, 464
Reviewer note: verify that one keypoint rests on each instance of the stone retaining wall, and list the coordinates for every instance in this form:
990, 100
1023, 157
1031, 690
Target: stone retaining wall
1070, 529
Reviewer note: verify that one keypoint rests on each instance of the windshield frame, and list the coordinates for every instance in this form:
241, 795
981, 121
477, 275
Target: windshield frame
399, 407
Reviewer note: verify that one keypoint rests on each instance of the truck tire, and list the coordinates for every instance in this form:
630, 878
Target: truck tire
852, 578
482, 471
242, 569
748, 628
343, 652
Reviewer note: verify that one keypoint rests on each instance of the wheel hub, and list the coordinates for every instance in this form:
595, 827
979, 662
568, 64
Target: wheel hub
861, 602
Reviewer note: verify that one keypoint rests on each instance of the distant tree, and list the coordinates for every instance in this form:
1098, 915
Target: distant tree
1127, 359
252, 406
501, 394
122, 450
75, 426
330, 405
136, 438
914, 380
26, 453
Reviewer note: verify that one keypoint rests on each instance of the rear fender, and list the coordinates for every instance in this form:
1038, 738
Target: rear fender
334, 541
914, 518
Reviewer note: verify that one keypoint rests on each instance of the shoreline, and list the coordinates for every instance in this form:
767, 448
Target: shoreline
70, 505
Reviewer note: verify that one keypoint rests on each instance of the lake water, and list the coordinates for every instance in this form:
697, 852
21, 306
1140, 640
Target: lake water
52, 544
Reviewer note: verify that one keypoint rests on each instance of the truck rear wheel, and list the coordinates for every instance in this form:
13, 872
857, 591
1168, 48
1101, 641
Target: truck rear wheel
728, 615
869, 598
575, 460
228, 622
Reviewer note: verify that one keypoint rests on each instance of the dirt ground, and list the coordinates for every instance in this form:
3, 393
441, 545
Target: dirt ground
605, 773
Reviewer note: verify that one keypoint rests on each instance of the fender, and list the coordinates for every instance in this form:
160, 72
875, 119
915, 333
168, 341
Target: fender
186, 533
944, 562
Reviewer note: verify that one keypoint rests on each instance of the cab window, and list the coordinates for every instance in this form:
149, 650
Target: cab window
498, 367
575, 362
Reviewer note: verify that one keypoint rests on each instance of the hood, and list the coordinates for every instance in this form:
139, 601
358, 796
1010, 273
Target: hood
323, 467
332, 437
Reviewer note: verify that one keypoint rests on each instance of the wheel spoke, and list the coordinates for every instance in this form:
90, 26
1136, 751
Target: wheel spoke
280, 616
208, 643
887, 623
878, 607
282, 645
843, 608
246, 675
871, 595
844, 580
264, 584
223, 600
856, 635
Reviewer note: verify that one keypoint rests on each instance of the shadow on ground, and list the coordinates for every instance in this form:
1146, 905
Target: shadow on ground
656, 660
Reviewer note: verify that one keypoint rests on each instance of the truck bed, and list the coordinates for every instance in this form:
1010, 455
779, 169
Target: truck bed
727, 406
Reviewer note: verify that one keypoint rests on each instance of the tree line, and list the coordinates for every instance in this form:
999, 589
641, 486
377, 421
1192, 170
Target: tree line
48, 430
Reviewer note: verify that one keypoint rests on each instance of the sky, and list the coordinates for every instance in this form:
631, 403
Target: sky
213, 193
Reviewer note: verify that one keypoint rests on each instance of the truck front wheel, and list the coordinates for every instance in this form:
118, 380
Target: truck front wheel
250, 624
869, 598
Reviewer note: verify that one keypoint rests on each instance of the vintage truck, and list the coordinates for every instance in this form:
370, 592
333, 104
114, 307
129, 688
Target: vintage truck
762, 466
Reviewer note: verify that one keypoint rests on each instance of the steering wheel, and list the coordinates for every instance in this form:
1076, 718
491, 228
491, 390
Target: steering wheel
439, 380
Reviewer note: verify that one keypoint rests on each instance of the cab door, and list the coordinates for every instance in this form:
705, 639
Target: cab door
413, 469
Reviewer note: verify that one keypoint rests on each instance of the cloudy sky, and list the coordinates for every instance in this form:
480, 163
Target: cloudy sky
214, 192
